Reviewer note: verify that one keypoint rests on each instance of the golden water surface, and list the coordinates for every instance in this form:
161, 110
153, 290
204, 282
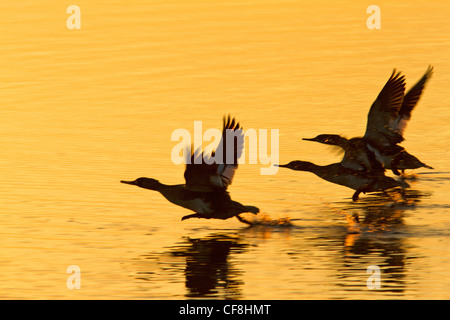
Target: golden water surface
82, 109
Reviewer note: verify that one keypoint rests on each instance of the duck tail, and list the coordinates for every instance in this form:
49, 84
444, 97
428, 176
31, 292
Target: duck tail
426, 166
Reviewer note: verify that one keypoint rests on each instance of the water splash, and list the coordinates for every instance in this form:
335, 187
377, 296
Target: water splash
409, 176
265, 220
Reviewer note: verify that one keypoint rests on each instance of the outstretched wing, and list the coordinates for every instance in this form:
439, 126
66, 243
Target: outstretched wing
205, 173
382, 126
410, 100
229, 150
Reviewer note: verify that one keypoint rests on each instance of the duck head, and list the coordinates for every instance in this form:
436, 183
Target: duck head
325, 138
146, 183
298, 165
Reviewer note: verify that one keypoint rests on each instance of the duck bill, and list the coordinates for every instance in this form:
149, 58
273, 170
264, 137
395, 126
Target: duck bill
128, 182
281, 165
309, 139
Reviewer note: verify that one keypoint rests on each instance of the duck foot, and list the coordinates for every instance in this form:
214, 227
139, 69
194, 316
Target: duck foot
243, 220
394, 170
194, 215
364, 188
394, 163
356, 195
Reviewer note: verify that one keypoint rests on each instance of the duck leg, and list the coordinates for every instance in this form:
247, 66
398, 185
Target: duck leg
365, 188
243, 220
394, 164
194, 215
356, 195
394, 168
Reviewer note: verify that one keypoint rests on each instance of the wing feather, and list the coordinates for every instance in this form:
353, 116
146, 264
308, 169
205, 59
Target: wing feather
382, 127
410, 100
217, 169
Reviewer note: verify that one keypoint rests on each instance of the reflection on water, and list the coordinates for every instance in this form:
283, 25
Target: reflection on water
374, 233
380, 212
208, 269
391, 256
376, 227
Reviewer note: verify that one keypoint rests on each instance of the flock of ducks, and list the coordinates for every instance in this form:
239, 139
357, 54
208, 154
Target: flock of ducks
362, 168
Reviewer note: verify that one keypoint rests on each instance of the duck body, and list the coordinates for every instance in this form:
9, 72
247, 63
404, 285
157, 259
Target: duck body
400, 159
357, 153
358, 156
205, 191
358, 180
215, 204
361, 155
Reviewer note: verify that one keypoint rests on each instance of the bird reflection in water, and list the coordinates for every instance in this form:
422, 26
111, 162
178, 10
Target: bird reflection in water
208, 270
382, 212
376, 235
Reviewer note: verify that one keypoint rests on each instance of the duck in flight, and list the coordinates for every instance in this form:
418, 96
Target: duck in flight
357, 155
386, 124
359, 180
207, 179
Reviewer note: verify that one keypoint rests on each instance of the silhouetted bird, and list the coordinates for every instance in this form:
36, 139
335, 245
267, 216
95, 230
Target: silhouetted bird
359, 180
207, 179
357, 155
386, 124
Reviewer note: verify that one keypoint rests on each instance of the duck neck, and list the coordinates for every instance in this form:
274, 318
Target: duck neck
324, 172
337, 141
317, 170
305, 166
152, 184
311, 167
160, 187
